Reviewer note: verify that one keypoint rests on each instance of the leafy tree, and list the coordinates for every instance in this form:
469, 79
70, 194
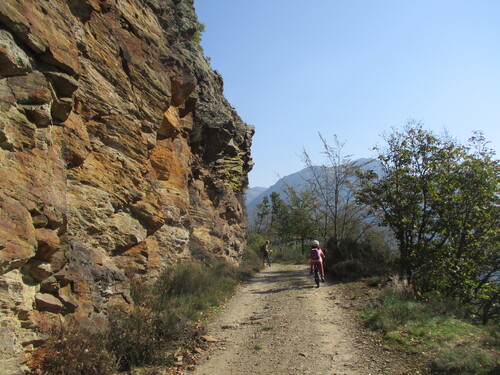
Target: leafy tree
290, 219
409, 181
440, 199
340, 217
301, 221
272, 216
470, 221
278, 209
262, 216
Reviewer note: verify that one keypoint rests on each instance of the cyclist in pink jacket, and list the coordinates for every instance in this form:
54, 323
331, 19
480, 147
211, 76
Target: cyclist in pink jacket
316, 255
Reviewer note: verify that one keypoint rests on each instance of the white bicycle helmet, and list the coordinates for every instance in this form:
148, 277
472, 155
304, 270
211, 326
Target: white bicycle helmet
315, 243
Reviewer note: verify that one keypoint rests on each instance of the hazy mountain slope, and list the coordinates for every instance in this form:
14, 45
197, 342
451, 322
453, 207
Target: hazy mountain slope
298, 181
253, 193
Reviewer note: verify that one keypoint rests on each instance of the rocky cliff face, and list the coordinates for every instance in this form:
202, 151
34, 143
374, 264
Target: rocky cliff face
119, 156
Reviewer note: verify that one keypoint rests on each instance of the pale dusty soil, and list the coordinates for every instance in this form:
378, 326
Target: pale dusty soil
280, 323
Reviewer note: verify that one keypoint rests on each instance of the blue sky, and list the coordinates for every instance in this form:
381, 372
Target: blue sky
354, 68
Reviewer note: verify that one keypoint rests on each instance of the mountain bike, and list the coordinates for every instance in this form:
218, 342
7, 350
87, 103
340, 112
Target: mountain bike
317, 274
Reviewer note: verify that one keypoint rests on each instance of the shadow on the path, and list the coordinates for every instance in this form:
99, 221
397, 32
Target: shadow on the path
293, 280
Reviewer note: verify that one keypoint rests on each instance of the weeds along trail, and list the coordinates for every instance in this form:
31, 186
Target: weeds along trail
280, 323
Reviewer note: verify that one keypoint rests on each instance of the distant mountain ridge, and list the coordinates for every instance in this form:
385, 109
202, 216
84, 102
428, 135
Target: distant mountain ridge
253, 193
297, 180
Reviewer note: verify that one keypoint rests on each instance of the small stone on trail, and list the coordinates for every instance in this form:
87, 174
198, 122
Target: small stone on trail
303, 354
209, 339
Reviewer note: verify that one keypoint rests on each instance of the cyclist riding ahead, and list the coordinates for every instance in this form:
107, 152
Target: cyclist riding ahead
316, 255
266, 254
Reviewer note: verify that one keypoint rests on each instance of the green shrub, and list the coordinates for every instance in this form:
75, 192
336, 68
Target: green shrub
369, 256
199, 28
289, 254
445, 306
191, 288
429, 326
255, 241
169, 312
71, 351
394, 309
166, 316
373, 281
251, 264
347, 270
138, 290
464, 360
145, 336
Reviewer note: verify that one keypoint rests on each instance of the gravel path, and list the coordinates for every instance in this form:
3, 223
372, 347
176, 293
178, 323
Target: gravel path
280, 323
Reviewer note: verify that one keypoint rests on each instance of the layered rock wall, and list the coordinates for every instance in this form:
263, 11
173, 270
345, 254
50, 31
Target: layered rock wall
119, 156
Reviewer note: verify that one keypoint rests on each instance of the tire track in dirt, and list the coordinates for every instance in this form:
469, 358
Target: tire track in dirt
280, 323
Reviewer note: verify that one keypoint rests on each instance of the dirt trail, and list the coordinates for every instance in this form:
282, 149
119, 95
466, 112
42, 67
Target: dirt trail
280, 323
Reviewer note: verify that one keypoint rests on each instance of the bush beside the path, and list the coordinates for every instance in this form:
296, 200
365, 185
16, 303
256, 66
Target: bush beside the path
168, 315
439, 329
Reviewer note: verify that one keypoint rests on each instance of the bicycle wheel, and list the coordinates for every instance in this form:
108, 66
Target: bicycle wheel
269, 260
317, 278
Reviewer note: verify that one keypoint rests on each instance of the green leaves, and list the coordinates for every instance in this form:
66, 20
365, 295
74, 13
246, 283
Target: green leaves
199, 29
441, 200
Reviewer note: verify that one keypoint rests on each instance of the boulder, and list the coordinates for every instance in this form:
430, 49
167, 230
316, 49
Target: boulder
31, 88
17, 235
48, 243
38, 269
13, 59
47, 302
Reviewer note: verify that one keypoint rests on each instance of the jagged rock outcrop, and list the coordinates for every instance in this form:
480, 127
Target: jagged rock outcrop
119, 156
